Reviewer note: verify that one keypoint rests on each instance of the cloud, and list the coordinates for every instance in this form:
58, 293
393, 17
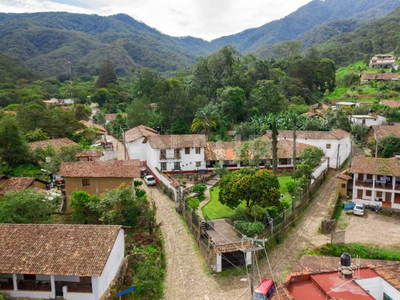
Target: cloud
207, 19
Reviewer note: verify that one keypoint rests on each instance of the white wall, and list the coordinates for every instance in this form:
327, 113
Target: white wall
30, 294
332, 153
77, 296
377, 286
379, 120
137, 150
100, 284
318, 171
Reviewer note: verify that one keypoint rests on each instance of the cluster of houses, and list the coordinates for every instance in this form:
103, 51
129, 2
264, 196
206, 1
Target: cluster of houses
381, 61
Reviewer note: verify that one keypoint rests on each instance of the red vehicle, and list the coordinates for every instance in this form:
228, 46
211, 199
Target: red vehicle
265, 290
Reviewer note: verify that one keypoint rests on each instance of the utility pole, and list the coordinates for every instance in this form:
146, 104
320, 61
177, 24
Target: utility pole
337, 158
252, 251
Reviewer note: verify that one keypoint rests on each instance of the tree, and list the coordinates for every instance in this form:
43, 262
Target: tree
138, 113
251, 152
255, 187
337, 119
200, 189
99, 118
36, 135
359, 131
106, 75
13, 148
50, 158
274, 145
312, 156
206, 119
388, 145
266, 98
26, 207
180, 127
84, 208
232, 103
220, 170
288, 48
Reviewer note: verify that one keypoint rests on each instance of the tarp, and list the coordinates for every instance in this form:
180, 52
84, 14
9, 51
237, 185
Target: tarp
349, 206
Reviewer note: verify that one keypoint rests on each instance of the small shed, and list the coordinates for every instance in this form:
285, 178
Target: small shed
342, 182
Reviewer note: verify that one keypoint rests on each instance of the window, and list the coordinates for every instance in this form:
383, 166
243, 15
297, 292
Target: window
163, 154
198, 150
328, 146
386, 297
198, 164
343, 185
177, 165
187, 150
85, 182
368, 193
163, 166
284, 161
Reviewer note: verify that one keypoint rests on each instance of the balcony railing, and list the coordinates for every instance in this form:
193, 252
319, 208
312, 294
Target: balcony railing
166, 157
364, 183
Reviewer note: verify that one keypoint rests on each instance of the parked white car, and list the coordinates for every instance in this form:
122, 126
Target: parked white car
149, 179
358, 210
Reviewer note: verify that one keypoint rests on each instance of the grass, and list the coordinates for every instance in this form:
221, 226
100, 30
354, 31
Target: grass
354, 249
216, 210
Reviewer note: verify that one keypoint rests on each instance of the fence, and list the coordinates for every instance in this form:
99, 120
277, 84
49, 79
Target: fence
329, 224
274, 226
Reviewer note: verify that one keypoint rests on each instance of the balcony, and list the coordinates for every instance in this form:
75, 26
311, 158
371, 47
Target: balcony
366, 183
164, 156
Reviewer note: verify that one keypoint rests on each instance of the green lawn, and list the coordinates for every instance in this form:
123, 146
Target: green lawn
215, 210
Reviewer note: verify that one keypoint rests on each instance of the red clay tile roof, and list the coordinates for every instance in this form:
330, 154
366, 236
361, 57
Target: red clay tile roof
90, 153
100, 129
139, 132
177, 141
16, 184
56, 143
312, 115
111, 117
391, 274
343, 176
386, 130
336, 134
377, 166
80, 250
226, 150
92, 169
391, 103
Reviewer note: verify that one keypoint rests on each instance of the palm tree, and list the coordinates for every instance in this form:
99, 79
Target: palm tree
206, 120
274, 144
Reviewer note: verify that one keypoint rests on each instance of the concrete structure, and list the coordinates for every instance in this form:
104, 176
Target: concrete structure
344, 104
381, 61
76, 262
96, 177
336, 144
376, 181
367, 120
321, 278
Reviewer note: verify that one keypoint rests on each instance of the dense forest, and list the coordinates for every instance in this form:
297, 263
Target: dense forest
46, 42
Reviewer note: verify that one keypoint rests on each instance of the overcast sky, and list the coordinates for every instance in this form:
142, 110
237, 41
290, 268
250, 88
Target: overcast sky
207, 19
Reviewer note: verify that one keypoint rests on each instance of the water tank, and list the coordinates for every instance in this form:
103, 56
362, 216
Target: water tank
345, 259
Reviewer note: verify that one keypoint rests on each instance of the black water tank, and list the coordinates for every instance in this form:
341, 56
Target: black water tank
345, 259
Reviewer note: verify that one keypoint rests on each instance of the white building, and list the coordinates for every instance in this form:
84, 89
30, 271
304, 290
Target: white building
136, 141
183, 152
75, 262
376, 181
336, 144
367, 120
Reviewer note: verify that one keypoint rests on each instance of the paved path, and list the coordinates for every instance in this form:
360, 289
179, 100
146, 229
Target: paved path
187, 276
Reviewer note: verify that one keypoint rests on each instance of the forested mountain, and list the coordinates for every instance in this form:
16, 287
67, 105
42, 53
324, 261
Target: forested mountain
304, 19
12, 69
380, 36
45, 42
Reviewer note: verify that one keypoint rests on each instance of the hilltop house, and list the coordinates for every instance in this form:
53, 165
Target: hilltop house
96, 177
225, 152
75, 262
376, 181
336, 144
381, 61
367, 77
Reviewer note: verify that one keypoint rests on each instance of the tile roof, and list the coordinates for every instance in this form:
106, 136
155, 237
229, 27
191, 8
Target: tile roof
80, 250
312, 115
391, 103
379, 76
226, 150
138, 132
336, 134
56, 143
100, 129
177, 141
16, 184
377, 166
386, 130
90, 153
111, 117
111, 168
391, 274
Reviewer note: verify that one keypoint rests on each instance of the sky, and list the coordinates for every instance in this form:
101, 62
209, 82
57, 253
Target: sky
207, 19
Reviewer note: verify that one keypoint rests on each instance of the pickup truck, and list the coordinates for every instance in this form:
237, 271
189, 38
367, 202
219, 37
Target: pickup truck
149, 179
265, 290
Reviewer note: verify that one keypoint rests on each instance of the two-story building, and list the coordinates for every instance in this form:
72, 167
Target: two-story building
381, 61
74, 262
336, 144
136, 141
173, 153
376, 181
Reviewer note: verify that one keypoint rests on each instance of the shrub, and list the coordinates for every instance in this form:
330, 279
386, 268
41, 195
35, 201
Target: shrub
200, 189
248, 228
